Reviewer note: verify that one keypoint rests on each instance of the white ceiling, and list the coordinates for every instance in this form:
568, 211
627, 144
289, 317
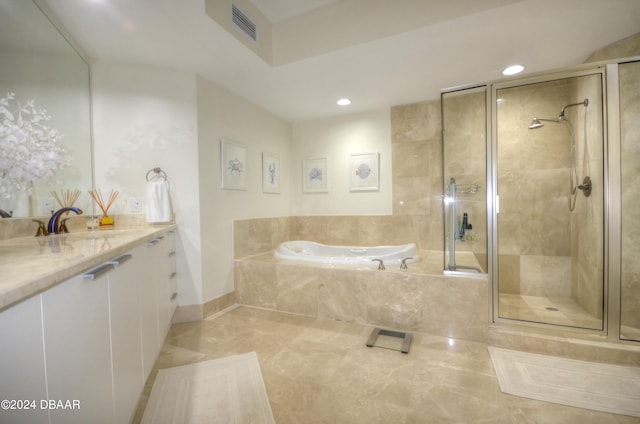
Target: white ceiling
404, 67
279, 10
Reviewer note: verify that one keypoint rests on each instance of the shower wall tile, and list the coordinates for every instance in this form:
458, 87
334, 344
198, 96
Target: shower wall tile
509, 274
590, 295
533, 178
545, 275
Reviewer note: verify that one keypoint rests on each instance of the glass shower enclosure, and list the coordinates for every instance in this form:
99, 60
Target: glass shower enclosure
540, 189
548, 168
464, 128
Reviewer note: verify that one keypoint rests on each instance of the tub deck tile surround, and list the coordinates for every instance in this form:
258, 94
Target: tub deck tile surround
419, 300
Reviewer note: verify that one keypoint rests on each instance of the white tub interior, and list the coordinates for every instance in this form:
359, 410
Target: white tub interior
312, 252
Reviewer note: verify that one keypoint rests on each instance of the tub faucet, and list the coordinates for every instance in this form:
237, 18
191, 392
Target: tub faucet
380, 264
53, 227
403, 265
5, 214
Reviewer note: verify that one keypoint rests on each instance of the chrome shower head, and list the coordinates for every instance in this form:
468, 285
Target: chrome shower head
535, 124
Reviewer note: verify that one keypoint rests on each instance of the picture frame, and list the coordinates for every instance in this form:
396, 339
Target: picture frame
364, 171
270, 173
314, 175
233, 165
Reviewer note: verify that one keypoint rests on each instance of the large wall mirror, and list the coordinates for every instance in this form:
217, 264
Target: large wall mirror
43, 155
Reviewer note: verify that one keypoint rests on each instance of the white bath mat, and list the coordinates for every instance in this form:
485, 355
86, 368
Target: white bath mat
226, 390
590, 385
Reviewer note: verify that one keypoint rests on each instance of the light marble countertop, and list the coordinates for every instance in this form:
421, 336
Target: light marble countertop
29, 265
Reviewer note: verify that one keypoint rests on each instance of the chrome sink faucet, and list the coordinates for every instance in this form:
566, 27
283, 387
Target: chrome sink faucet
53, 227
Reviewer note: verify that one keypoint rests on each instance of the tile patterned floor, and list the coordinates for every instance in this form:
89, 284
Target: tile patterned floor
320, 371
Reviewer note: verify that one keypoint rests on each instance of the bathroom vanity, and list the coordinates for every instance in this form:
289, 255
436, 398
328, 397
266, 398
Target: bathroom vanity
84, 317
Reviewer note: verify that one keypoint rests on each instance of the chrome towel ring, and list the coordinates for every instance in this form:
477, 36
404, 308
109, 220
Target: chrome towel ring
156, 173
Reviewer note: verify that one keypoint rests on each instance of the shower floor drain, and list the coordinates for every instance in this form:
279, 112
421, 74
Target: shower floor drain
551, 308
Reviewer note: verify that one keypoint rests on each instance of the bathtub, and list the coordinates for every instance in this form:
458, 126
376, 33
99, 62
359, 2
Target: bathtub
311, 252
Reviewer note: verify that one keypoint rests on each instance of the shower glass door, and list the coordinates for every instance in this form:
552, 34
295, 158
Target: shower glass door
548, 138
464, 133
630, 200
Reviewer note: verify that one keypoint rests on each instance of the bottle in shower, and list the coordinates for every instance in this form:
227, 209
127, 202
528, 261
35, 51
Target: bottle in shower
463, 227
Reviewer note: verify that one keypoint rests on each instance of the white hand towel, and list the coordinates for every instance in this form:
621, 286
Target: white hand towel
158, 202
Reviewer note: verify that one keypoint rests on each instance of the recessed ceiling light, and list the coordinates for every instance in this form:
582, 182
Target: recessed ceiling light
513, 69
344, 102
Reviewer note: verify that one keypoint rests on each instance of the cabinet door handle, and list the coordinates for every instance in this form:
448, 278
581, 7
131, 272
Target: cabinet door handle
174, 295
120, 259
173, 275
99, 271
153, 242
172, 254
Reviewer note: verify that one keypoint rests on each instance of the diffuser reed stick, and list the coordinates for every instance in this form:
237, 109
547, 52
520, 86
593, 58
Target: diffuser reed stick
66, 197
104, 205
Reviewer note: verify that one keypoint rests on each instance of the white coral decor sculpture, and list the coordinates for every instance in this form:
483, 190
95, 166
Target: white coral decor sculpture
29, 149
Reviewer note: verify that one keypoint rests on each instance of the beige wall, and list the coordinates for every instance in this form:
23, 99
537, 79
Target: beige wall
222, 114
336, 139
142, 118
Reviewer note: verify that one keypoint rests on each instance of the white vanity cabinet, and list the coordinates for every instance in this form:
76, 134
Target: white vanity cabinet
172, 273
162, 250
125, 292
22, 372
89, 341
75, 316
151, 341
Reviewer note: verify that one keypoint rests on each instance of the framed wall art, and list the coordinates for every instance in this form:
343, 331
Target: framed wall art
314, 175
233, 163
364, 172
270, 173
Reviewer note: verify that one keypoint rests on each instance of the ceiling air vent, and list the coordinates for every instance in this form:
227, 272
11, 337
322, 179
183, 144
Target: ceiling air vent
243, 22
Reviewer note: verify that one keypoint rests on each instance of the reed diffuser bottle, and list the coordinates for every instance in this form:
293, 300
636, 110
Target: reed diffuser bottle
96, 194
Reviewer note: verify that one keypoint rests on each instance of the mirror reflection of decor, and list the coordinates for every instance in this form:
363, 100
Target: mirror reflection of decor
364, 172
233, 163
30, 150
314, 175
51, 85
270, 173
